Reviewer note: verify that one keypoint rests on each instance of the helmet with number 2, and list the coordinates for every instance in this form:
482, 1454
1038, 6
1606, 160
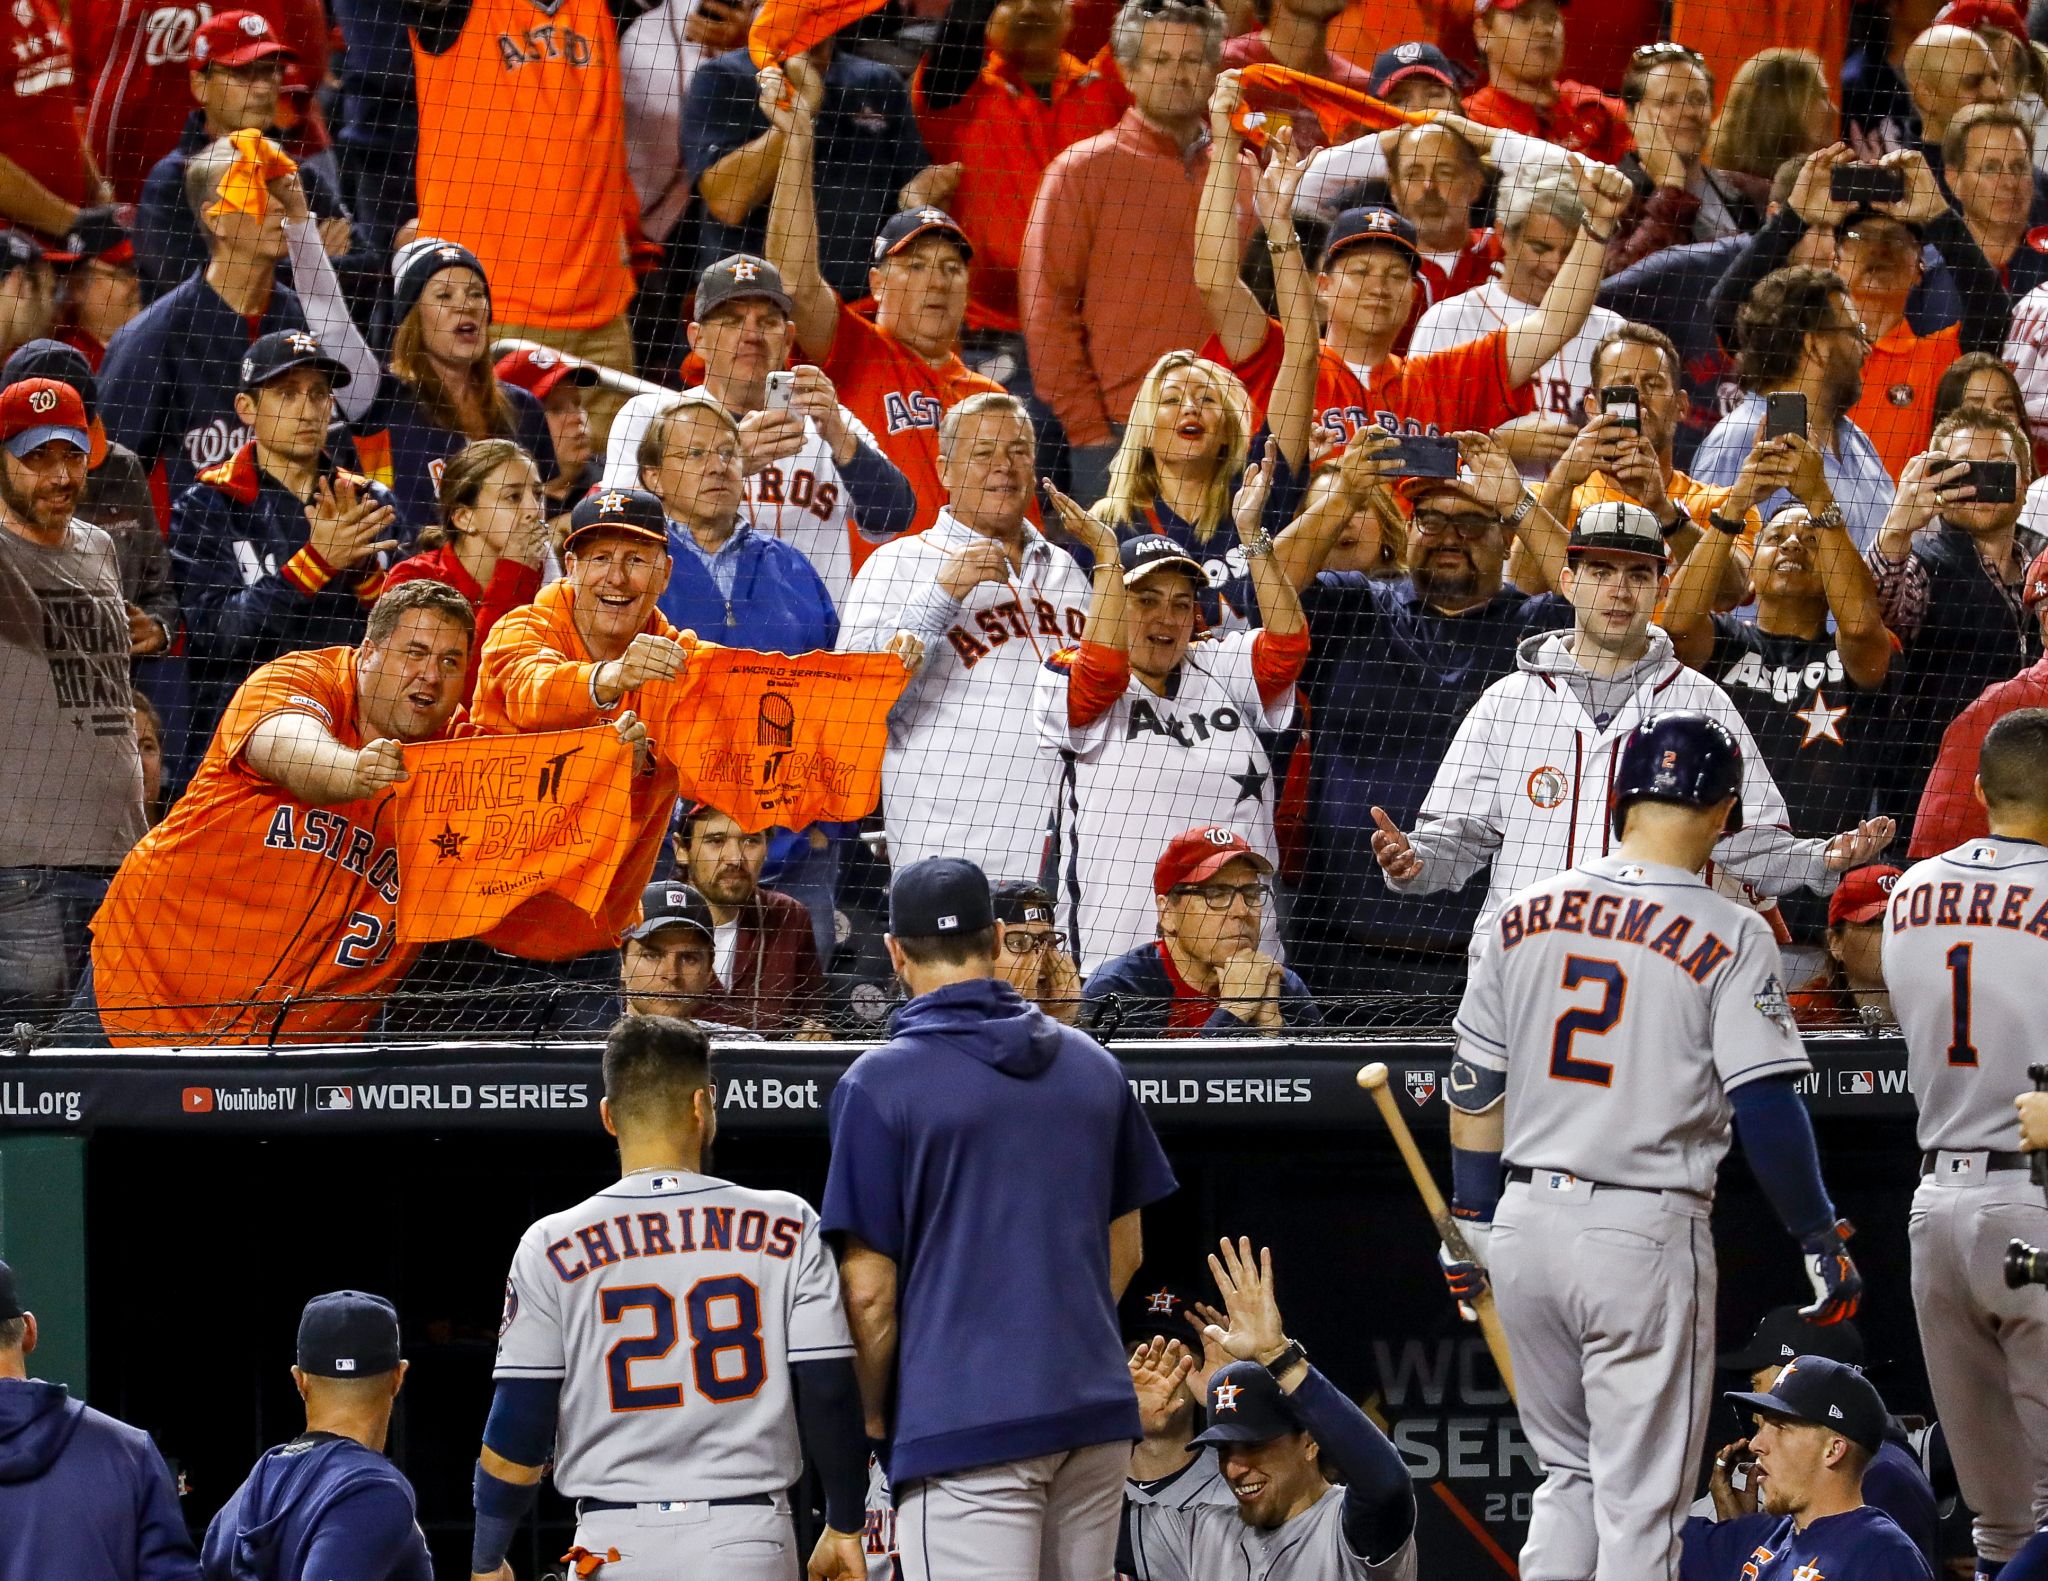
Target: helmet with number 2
1684, 758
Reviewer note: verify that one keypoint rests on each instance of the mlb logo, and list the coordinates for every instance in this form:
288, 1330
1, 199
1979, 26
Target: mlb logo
198, 1100
1857, 1083
332, 1099
1421, 1085
344, 1364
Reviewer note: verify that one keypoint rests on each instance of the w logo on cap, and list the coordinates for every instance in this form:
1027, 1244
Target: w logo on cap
42, 400
1219, 837
255, 26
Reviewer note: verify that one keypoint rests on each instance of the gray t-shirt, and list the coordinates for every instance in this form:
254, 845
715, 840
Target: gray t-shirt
67, 717
1210, 1543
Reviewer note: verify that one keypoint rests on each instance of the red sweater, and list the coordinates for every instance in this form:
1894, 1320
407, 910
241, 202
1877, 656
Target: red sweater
1949, 810
512, 584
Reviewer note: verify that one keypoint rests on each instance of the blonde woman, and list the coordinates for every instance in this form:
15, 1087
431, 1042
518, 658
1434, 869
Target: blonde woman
1777, 108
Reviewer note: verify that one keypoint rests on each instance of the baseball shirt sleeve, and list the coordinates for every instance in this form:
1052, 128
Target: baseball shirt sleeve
1457, 832
1764, 853
530, 1336
363, 1536
1235, 655
1754, 1035
864, 1184
818, 1329
1481, 1022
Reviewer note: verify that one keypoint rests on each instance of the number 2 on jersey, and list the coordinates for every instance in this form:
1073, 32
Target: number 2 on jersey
1593, 1022
725, 1318
1961, 1051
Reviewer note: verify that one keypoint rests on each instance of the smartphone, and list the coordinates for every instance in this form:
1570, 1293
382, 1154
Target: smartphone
779, 387
1996, 482
1866, 184
1623, 403
1419, 456
1784, 413
1742, 1471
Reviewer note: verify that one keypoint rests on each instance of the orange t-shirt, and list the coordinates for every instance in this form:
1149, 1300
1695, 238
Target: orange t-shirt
522, 158
901, 398
1460, 387
1896, 408
535, 675
1006, 135
246, 897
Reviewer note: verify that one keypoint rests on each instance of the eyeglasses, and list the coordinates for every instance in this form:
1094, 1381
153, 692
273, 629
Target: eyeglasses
1435, 524
1217, 897
1018, 942
697, 455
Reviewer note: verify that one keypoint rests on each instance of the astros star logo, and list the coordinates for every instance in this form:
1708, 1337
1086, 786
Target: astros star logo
745, 269
1226, 1396
1162, 1300
1808, 1572
302, 342
1821, 720
614, 501
449, 843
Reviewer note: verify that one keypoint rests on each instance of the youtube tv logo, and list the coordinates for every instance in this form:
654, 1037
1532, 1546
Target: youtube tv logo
198, 1100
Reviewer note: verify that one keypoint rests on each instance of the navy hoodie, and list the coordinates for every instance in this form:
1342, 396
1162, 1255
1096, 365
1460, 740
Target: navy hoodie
985, 1148
83, 1496
317, 1508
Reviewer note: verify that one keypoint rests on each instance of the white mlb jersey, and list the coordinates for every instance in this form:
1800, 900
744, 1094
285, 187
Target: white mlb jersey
1625, 1002
1207, 1542
671, 1307
1965, 954
1560, 385
963, 774
802, 501
1147, 769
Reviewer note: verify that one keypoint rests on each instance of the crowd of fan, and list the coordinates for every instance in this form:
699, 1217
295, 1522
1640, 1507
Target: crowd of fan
354, 302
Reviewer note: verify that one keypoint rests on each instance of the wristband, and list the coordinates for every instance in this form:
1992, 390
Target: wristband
500, 1507
1291, 245
1520, 513
1682, 521
1287, 1358
1721, 523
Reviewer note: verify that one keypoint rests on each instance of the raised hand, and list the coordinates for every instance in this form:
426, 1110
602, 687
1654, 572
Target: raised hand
1094, 534
1273, 197
344, 526
1864, 843
1255, 1332
1248, 505
1158, 1369
1225, 99
966, 569
1391, 849
1810, 199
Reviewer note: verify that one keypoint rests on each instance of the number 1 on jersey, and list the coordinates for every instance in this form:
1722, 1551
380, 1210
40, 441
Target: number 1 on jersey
1593, 1022
1961, 1051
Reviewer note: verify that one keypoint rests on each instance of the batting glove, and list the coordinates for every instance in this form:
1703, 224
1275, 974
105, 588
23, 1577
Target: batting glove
1837, 1286
1466, 1279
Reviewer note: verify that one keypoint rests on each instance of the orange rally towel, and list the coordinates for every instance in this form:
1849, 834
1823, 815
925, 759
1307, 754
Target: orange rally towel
245, 189
1343, 113
783, 28
773, 741
489, 822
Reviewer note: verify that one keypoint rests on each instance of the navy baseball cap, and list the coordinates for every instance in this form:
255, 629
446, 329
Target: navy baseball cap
632, 512
274, 355
348, 1334
10, 1295
1374, 227
670, 904
938, 896
905, 228
1823, 1393
1019, 900
1784, 1336
1151, 551
737, 278
1245, 1407
54, 359
1393, 66
1164, 1311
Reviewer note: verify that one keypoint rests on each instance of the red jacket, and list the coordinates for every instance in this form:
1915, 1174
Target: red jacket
1582, 119
1949, 810
776, 979
512, 584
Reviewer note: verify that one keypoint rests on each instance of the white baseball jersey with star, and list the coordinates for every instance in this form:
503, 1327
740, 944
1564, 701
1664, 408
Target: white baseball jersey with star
1148, 768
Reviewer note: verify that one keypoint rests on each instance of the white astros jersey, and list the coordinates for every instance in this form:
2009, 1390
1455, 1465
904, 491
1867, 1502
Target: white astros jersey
1625, 1002
963, 774
1208, 1542
802, 500
1148, 768
1965, 954
671, 1306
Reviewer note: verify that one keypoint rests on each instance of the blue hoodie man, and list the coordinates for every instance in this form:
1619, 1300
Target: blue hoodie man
81, 1495
988, 1170
328, 1504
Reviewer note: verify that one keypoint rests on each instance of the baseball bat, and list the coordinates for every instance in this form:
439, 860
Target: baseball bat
1373, 1078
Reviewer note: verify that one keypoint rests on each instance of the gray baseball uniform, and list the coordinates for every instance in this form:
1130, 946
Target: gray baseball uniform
1965, 952
671, 1306
1623, 1002
1206, 1542
1199, 1482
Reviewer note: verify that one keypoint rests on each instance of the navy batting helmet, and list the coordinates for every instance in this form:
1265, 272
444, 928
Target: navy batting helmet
1681, 757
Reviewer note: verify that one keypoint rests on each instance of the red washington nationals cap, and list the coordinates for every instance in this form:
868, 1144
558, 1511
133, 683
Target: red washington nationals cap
2036, 584
236, 38
1197, 854
36, 411
1975, 14
1862, 895
537, 370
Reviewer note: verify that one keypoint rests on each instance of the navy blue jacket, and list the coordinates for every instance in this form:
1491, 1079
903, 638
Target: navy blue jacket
396, 445
169, 246
167, 389
1862, 1542
986, 1149
249, 584
779, 603
1139, 992
83, 1496
319, 1506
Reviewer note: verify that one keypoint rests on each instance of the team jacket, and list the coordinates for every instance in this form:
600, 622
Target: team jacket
252, 587
1527, 780
778, 602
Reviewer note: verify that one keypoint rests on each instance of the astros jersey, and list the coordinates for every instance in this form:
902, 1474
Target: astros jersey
1625, 1002
245, 896
1148, 768
1464, 387
1212, 1540
964, 774
1965, 950
671, 1307
900, 398
802, 501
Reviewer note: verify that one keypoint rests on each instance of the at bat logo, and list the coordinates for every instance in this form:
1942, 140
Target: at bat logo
1421, 1085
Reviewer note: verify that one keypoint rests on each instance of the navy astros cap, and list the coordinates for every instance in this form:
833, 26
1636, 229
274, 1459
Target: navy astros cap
10, 1295
905, 228
1823, 1393
669, 904
1245, 1407
348, 1334
276, 354
938, 896
54, 359
1397, 65
633, 512
1162, 1311
1784, 1334
738, 277
1373, 227
1152, 551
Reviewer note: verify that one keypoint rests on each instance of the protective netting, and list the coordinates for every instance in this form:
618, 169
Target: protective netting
519, 507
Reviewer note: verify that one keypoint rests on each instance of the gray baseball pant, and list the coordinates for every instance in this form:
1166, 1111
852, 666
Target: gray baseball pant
692, 1541
1050, 1518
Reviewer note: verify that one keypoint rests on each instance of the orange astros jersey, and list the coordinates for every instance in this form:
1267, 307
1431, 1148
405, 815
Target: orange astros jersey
901, 398
245, 896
